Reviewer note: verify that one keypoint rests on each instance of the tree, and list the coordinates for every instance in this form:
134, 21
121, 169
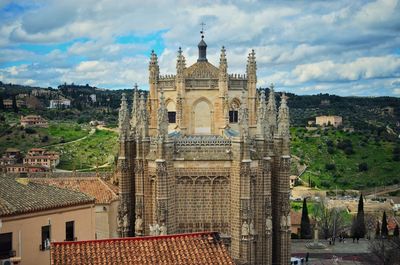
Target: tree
305, 226
362, 167
360, 217
384, 228
377, 230
331, 220
14, 104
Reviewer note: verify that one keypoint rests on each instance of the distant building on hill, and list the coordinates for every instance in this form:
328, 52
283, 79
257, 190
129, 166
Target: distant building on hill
33, 121
7, 103
335, 121
59, 103
24, 168
325, 102
39, 156
33, 215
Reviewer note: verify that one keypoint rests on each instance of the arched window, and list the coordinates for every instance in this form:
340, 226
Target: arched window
171, 112
234, 111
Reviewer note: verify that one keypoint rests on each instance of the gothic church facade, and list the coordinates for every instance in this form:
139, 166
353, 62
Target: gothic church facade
206, 151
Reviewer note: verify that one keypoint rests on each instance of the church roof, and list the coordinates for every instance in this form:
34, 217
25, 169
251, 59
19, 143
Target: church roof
201, 69
197, 248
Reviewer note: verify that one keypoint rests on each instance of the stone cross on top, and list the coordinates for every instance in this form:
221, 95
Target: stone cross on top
202, 24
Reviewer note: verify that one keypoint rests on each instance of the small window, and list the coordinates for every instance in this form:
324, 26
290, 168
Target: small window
5, 245
45, 238
171, 116
233, 116
69, 231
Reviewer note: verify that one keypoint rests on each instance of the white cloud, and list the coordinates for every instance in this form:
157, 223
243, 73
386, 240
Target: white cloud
361, 68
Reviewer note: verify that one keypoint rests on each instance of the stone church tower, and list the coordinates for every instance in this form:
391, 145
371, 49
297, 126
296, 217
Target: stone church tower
206, 151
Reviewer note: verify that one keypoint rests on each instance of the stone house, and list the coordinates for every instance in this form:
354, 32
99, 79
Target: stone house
32, 215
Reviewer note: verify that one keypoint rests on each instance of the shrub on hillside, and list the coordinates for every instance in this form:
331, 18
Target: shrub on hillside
29, 130
330, 166
363, 167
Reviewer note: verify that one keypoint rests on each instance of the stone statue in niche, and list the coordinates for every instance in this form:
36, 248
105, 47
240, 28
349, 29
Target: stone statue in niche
268, 225
245, 230
139, 226
163, 229
154, 229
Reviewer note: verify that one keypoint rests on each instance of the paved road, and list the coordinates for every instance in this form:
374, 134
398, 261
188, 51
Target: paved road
346, 253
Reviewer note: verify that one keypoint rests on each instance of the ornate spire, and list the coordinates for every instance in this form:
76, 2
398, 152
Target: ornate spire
180, 63
135, 108
154, 69
262, 115
271, 111
142, 124
244, 116
283, 118
251, 68
123, 119
162, 116
223, 64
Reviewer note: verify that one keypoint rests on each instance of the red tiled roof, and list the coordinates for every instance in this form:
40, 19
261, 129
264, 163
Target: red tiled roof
184, 249
94, 187
20, 196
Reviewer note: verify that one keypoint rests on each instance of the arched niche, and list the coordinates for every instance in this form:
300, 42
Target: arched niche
202, 116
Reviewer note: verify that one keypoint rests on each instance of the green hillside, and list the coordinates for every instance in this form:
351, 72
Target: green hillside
346, 160
98, 149
25, 138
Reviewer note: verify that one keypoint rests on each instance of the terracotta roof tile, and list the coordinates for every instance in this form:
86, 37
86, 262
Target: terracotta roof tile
20, 195
92, 186
183, 249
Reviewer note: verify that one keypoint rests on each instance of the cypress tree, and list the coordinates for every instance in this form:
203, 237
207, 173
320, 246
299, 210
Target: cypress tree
305, 226
378, 230
396, 231
14, 104
360, 222
384, 229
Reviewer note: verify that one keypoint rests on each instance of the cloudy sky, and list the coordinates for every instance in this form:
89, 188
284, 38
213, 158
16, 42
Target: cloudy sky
339, 47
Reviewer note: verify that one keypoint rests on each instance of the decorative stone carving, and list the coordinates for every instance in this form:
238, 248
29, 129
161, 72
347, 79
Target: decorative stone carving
162, 117
268, 225
161, 169
285, 164
244, 117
